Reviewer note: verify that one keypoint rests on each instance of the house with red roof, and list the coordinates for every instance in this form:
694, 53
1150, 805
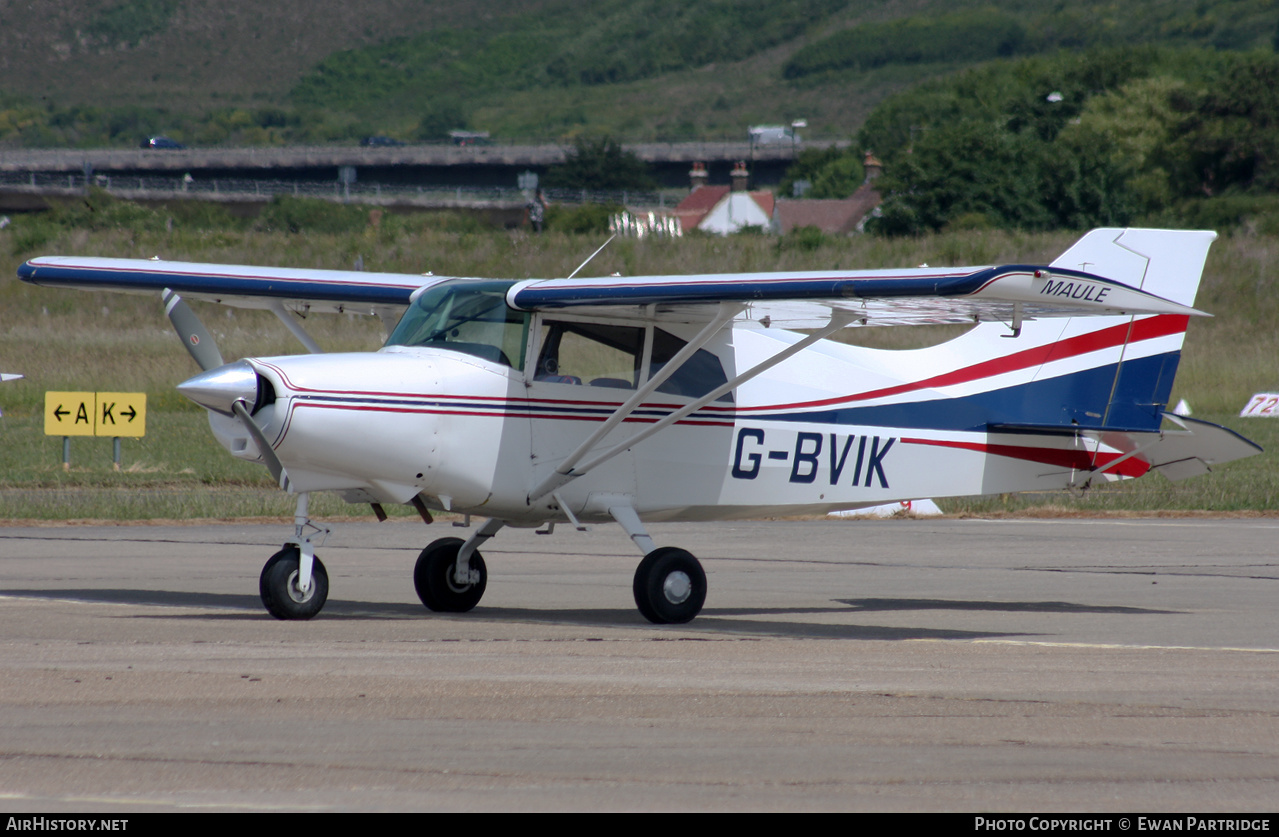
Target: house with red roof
835, 217
723, 210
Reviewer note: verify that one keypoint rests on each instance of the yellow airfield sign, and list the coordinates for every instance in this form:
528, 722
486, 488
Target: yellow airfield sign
95, 413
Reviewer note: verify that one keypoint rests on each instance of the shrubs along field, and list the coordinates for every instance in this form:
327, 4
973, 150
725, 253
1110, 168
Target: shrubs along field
67, 340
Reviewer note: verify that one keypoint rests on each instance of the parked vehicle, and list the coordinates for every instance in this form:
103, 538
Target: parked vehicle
162, 142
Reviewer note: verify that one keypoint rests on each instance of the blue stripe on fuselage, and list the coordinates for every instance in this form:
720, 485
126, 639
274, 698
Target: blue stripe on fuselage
1081, 399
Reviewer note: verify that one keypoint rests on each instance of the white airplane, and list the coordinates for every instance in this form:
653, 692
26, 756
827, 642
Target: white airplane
660, 398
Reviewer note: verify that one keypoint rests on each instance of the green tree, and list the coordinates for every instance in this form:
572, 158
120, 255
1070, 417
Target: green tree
1227, 136
832, 173
599, 163
441, 116
966, 169
1133, 125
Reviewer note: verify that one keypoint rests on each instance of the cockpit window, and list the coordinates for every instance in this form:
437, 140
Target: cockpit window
591, 354
466, 316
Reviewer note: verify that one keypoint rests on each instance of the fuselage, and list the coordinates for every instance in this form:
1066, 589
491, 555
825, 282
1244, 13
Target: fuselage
474, 430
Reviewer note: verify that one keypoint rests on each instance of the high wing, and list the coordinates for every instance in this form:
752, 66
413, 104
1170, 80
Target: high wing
1103, 273
337, 291
789, 300
916, 296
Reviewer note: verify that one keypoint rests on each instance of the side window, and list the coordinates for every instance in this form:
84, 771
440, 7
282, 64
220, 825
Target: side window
699, 375
590, 354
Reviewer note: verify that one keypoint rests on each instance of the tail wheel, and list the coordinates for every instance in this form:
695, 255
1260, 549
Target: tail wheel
670, 586
436, 585
279, 589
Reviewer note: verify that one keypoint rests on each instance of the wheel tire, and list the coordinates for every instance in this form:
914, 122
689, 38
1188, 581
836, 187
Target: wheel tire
278, 586
670, 586
433, 578
264, 590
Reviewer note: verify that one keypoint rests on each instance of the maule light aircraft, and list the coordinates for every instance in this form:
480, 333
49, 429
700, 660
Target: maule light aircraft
659, 398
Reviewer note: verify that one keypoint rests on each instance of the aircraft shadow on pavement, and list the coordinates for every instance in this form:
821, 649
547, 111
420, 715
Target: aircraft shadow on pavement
1007, 607
713, 620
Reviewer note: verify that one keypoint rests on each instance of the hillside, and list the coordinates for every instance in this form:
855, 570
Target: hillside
88, 72
195, 54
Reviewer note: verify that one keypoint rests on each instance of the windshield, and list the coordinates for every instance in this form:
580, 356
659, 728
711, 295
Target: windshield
468, 316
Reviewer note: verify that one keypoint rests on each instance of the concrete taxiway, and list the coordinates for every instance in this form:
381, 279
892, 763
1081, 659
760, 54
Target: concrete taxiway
1113, 665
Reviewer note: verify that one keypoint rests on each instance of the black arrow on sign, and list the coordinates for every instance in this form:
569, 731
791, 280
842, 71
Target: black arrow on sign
131, 413
59, 413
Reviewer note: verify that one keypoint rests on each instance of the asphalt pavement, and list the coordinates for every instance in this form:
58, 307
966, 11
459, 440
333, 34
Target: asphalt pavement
1116, 665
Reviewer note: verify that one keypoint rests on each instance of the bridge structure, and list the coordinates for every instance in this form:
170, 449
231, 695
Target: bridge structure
428, 176
430, 164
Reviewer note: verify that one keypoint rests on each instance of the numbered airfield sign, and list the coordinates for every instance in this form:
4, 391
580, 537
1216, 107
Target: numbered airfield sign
1262, 404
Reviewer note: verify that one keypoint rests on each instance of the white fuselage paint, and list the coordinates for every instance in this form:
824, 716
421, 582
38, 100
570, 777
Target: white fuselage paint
475, 436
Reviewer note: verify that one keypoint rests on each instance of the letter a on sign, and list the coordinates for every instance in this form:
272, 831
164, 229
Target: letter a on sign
69, 413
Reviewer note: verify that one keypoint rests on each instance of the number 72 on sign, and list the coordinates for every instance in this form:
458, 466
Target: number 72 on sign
95, 414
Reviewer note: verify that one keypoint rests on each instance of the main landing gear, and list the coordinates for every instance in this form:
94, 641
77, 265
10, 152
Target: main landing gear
433, 577
670, 584
450, 575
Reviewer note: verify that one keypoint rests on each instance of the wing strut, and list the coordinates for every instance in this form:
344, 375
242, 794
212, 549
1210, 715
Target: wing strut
295, 327
569, 470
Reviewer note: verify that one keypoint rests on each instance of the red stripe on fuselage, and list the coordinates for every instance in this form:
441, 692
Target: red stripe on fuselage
1145, 329
513, 413
1079, 460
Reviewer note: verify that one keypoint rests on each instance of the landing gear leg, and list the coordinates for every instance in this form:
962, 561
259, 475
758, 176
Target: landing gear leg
294, 583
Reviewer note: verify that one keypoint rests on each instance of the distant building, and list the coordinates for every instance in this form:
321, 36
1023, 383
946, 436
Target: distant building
724, 210
833, 216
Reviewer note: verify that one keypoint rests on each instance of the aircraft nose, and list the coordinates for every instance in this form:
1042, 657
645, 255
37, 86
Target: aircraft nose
219, 388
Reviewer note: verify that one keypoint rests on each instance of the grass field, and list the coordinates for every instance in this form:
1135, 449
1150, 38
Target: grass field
64, 340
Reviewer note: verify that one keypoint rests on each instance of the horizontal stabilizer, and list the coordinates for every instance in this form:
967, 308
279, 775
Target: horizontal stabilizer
1196, 448
1190, 451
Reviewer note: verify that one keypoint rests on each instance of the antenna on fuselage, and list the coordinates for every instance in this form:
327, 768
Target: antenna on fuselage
591, 256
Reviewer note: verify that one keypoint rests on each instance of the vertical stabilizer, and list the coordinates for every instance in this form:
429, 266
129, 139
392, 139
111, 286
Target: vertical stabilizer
1167, 263
1112, 372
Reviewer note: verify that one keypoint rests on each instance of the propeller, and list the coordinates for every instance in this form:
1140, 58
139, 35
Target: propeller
231, 389
273, 463
193, 333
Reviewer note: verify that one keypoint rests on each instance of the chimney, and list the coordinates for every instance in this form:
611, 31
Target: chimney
873, 167
697, 176
740, 176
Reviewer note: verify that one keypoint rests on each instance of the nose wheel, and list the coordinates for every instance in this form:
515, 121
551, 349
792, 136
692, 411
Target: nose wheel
281, 590
670, 586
